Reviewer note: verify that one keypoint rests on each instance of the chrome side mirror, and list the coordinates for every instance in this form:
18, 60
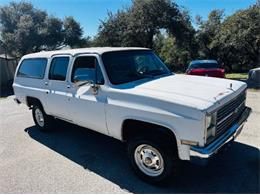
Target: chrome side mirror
84, 79
92, 84
83, 82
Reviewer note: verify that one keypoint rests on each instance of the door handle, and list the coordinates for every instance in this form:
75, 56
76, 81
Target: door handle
46, 83
68, 86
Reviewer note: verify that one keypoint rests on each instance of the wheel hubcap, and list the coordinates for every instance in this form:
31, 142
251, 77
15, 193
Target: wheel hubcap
39, 117
149, 160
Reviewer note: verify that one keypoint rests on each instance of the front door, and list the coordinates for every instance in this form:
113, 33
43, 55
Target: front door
87, 108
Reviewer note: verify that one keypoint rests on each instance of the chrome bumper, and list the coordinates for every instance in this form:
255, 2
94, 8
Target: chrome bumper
215, 146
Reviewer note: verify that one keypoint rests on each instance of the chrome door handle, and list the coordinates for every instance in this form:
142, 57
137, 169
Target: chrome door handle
46, 83
68, 86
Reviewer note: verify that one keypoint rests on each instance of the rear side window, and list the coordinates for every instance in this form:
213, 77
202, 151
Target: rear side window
58, 69
32, 68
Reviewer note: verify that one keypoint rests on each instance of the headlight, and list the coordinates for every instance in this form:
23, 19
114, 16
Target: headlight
210, 125
208, 121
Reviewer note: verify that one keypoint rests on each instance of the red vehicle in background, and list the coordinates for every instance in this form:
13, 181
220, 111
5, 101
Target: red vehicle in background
209, 68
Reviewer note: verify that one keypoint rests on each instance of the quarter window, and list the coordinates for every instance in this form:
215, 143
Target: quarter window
58, 69
32, 68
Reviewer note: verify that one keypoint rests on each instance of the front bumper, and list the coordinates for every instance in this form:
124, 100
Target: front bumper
211, 149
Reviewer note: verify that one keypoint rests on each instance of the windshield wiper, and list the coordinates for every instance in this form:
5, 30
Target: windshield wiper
156, 72
144, 75
141, 75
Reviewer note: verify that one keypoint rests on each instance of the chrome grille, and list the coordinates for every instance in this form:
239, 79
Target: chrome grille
228, 114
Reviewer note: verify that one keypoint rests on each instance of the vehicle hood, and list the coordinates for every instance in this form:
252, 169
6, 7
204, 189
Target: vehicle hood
202, 93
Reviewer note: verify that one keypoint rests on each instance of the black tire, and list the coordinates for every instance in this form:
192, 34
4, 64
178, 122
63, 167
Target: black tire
47, 122
168, 152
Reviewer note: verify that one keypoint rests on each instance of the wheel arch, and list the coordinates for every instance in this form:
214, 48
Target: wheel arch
131, 127
30, 101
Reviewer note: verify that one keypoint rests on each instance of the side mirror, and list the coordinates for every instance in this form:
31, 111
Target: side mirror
82, 82
87, 79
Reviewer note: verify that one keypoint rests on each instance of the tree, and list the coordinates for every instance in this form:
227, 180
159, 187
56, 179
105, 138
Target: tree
25, 29
52, 32
113, 31
234, 40
139, 24
175, 57
72, 32
207, 33
20, 27
239, 39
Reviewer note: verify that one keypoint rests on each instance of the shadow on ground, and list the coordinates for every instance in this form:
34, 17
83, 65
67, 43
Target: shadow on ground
235, 170
6, 92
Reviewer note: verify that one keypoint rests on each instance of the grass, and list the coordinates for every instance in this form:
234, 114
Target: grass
237, 76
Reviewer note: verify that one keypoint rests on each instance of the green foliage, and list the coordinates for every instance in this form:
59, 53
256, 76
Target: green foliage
21, 27
25, 29
175, 57
207, 32
237, 76
72, 32
239, 39
139, 24
113, 32
52, 32
161, 25
234, 41
158, 24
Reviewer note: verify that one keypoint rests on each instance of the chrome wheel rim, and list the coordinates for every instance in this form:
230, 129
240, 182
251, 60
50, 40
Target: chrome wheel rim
39, 117
149, 160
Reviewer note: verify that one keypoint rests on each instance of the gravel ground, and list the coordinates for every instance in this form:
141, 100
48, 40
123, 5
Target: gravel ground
75, 160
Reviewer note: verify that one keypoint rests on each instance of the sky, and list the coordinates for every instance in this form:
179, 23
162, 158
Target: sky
90, 12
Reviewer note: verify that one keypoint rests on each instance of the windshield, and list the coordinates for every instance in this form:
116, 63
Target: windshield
127, 66
204, 65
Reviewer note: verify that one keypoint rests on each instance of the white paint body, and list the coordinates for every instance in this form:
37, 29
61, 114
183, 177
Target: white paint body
178, 102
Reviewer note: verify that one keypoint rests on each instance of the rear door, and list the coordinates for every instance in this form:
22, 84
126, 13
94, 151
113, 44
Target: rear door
57, 86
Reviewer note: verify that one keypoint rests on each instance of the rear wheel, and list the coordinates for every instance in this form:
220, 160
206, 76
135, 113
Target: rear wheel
43, 121
153, 160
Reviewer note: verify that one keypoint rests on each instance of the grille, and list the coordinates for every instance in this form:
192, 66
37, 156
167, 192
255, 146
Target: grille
229, 113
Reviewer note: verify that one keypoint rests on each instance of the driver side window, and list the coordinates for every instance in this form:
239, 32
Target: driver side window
84, 69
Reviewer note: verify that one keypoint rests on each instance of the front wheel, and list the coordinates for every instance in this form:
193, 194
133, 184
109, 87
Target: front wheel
152, 160
43, 121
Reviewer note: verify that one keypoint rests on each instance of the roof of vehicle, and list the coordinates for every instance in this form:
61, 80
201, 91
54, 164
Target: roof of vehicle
255, 69
96, 50
203, 61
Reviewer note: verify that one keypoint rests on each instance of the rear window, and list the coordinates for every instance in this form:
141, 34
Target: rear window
32, 68
204, 65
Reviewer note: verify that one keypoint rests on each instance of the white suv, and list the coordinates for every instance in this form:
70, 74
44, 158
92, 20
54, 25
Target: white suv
129, 94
